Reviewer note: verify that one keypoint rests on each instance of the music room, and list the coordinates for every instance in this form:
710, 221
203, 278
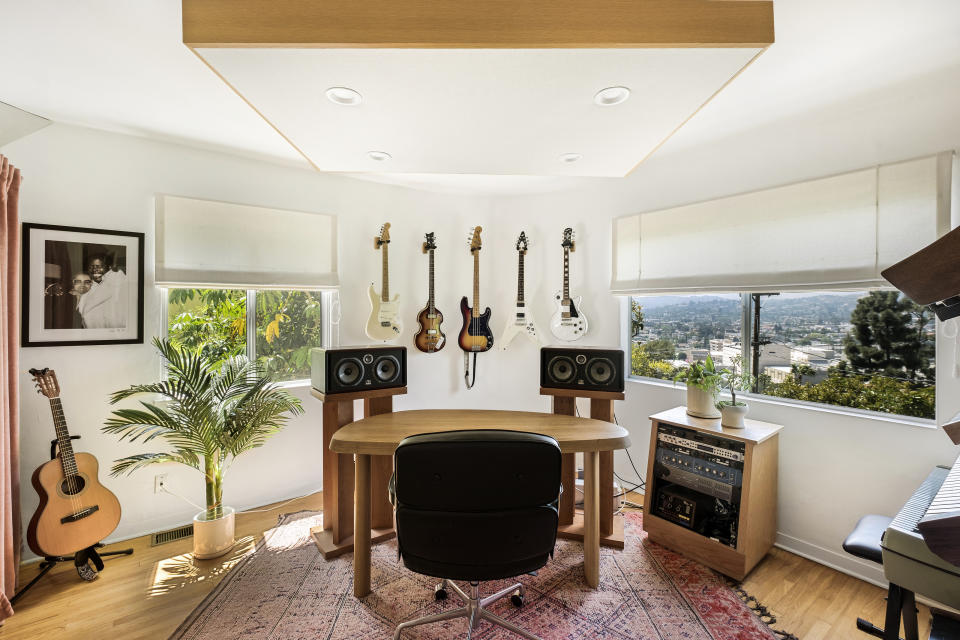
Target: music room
445, 320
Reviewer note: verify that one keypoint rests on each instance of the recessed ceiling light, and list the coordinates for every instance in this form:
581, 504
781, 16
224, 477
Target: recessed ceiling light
570, 157
344, 96
379, 156
611, 96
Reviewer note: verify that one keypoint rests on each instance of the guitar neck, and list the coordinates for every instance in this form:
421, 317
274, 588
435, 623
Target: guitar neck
385, 293
566, 273
67, 459
476, 282
431, 303
520, 280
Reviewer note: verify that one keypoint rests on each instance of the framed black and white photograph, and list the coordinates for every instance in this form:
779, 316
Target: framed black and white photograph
81, 286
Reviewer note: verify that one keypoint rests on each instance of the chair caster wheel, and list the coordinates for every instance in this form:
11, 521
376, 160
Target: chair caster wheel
517, 600
440, 593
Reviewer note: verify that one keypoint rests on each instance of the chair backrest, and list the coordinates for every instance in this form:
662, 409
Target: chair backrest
476, 505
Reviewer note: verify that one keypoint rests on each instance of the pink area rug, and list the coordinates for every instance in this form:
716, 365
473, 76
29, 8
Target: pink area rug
286, 590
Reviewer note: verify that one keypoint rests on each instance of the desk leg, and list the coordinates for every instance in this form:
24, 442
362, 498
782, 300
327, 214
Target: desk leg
361, 528
591, 518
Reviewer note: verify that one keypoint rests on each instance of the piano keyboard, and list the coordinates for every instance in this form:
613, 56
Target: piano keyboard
948, 497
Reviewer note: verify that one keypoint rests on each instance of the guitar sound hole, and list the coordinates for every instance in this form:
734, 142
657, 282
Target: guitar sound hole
72, 485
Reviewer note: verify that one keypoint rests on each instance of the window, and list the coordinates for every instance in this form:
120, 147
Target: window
283, 326
864, 350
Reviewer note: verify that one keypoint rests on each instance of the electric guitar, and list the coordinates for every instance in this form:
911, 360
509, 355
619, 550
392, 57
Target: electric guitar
522, 322
384, 321
75, 511
568, 322
475, 337
430, 338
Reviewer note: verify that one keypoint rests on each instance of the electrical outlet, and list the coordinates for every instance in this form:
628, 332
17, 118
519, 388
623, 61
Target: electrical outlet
159, 482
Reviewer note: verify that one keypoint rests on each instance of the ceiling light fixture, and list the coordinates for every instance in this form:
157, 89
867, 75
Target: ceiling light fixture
611, 96
570, 157
379, 156
344, 96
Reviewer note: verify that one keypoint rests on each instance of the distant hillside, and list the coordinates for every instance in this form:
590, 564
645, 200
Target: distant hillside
817, 309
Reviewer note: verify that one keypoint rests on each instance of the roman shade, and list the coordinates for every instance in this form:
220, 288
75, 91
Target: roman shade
203, 243
837, 232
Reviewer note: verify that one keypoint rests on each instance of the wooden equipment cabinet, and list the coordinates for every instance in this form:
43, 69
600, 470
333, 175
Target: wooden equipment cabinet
335, 537
757, 525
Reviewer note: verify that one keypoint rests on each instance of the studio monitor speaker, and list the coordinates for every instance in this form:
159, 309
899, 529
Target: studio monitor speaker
347, 369
587, 368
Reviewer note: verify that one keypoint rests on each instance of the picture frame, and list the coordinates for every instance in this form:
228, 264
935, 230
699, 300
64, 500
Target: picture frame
80, 286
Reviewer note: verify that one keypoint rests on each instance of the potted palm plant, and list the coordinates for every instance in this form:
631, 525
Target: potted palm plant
211, 412
703, 384
733, 411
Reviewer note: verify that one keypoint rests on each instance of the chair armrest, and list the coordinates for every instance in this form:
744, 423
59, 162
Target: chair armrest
392, 490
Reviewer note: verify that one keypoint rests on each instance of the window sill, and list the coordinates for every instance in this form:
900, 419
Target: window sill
810, 406
293, 384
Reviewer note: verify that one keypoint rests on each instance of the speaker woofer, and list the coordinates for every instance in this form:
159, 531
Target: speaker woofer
600, 371
561, 369
386, 368
349, 372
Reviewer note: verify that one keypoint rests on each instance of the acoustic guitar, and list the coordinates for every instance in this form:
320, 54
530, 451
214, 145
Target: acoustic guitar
475, 336
430, 338
568, 322
75, 511
522, 321
384, 321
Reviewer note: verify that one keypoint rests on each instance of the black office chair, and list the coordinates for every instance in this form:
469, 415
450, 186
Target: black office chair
475, 506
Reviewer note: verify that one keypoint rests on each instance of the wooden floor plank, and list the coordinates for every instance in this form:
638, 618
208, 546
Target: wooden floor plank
147, 595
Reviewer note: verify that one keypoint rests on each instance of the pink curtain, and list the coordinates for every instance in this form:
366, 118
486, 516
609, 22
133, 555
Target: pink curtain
10, 530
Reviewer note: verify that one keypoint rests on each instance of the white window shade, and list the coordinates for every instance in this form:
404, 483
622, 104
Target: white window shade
838, 232
202, 243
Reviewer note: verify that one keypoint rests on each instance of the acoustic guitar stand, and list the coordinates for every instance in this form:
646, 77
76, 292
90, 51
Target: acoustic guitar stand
81, 559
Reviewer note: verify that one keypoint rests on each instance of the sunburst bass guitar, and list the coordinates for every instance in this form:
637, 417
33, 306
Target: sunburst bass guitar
475, 336
430, 338
75, 511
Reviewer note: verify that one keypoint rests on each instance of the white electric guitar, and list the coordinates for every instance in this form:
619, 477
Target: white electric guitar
568, 322
522, 321
384, 321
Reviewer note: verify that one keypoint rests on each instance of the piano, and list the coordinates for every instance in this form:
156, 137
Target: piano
921, 547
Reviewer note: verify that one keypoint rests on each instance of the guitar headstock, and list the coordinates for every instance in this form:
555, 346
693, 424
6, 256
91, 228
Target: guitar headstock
430, 242
522, 243
383, 237
475, 239
568, 241
46, 381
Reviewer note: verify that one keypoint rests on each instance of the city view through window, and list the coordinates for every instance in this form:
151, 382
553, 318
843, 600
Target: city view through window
864, 350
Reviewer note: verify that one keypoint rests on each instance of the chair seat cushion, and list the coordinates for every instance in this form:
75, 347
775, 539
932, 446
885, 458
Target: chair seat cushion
864, 540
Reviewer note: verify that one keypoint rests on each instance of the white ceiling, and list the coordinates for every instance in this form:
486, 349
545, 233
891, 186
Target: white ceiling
480, 111
121, 66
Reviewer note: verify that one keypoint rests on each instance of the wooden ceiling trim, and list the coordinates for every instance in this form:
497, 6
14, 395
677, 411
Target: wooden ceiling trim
519, 24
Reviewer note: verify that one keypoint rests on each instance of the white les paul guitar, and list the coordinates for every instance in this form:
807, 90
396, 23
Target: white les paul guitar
522, 321
384, 321
568, 322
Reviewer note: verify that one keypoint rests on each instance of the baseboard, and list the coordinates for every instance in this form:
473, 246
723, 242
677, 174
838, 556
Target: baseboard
29, 557
842, 562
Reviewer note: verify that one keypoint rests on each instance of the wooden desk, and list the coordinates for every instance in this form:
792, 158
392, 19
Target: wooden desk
379, 436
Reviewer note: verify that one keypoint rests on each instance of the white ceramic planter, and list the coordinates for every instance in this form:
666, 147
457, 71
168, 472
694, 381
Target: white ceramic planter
213, 538
732, 415
701, 404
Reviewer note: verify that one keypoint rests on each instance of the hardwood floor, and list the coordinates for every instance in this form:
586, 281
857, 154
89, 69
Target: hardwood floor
148, 594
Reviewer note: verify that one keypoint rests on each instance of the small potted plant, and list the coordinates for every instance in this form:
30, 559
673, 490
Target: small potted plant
733, 411
703, 384
211, 413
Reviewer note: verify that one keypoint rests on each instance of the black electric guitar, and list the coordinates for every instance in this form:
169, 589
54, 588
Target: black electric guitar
475, 336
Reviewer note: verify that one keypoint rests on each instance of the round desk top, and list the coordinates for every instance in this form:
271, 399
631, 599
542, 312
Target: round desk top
379, 435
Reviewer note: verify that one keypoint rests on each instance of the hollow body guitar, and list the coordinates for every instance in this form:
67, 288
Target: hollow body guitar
568, 323
384, 321
76, 511
475, 336
430, 338
522, 322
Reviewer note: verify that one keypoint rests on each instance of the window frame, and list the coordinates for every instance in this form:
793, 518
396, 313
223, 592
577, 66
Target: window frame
626, 340
328, 299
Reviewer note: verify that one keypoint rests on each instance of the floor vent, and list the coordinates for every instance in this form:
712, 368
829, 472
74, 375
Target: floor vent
163, 537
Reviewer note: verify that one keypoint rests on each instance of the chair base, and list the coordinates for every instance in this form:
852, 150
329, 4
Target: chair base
473, 610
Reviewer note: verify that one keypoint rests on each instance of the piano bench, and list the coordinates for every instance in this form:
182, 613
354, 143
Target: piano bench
864, 540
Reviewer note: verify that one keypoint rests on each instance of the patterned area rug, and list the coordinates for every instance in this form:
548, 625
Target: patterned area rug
286, 590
